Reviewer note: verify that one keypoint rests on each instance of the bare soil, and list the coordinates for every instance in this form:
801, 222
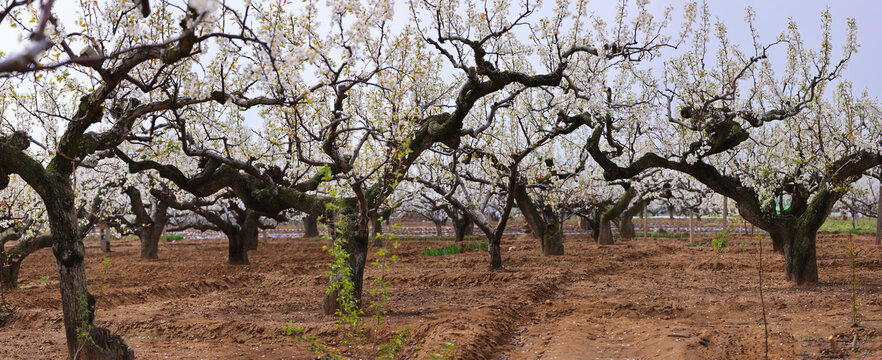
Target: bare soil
642, 298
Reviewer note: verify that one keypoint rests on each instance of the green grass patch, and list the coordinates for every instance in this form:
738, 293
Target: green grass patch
174, 237
447, 250
453, 249
863, 225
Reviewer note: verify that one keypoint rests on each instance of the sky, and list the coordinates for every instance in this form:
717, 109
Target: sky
771, 19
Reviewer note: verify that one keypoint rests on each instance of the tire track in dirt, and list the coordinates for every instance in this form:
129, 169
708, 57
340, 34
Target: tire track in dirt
485, 332
601, 262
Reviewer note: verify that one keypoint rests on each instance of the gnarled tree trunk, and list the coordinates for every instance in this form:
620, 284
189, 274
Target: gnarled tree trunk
800, 256
310, 227
626, 220
78, 305
10, 261
150, 226
543, 222
462, 225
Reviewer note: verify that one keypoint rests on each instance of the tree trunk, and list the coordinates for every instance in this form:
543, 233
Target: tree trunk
495, 252
104, 236
584, 225
10, 261
9, 273
353, 234
605, 236
310, 227
468, 227
626, 230
543, 222
376, 231
671, 211
879, 216
438, 232
78, 305
725, 213
237, 253
150, 237
800, 256
462, 226
150, 227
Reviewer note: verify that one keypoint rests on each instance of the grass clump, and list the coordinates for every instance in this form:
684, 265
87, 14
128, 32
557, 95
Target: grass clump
174, 237
862, 225
447, 250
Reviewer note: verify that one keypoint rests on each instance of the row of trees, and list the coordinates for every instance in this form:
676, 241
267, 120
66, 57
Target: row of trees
541, 109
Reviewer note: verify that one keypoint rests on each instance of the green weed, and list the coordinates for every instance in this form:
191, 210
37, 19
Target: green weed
447, 250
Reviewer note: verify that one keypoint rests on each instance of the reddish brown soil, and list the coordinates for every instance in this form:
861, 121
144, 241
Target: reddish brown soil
652, 298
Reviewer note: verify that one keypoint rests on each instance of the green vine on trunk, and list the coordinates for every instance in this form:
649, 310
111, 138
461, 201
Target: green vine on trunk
853, 253
340, 279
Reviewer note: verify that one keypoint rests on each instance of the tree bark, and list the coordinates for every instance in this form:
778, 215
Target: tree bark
310, 227
800, 257
605, 236
584, 224
237, 253
376, 231
104, 235
468, 227
645, 234
438, 232
10, 261
543, 222
626, 230
78, 305
150, 226
495, 253
725, 212
462, 225
626, 220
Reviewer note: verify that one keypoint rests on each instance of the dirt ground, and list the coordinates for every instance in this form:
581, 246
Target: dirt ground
641, 298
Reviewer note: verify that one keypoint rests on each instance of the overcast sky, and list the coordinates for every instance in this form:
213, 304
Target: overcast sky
771, 15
